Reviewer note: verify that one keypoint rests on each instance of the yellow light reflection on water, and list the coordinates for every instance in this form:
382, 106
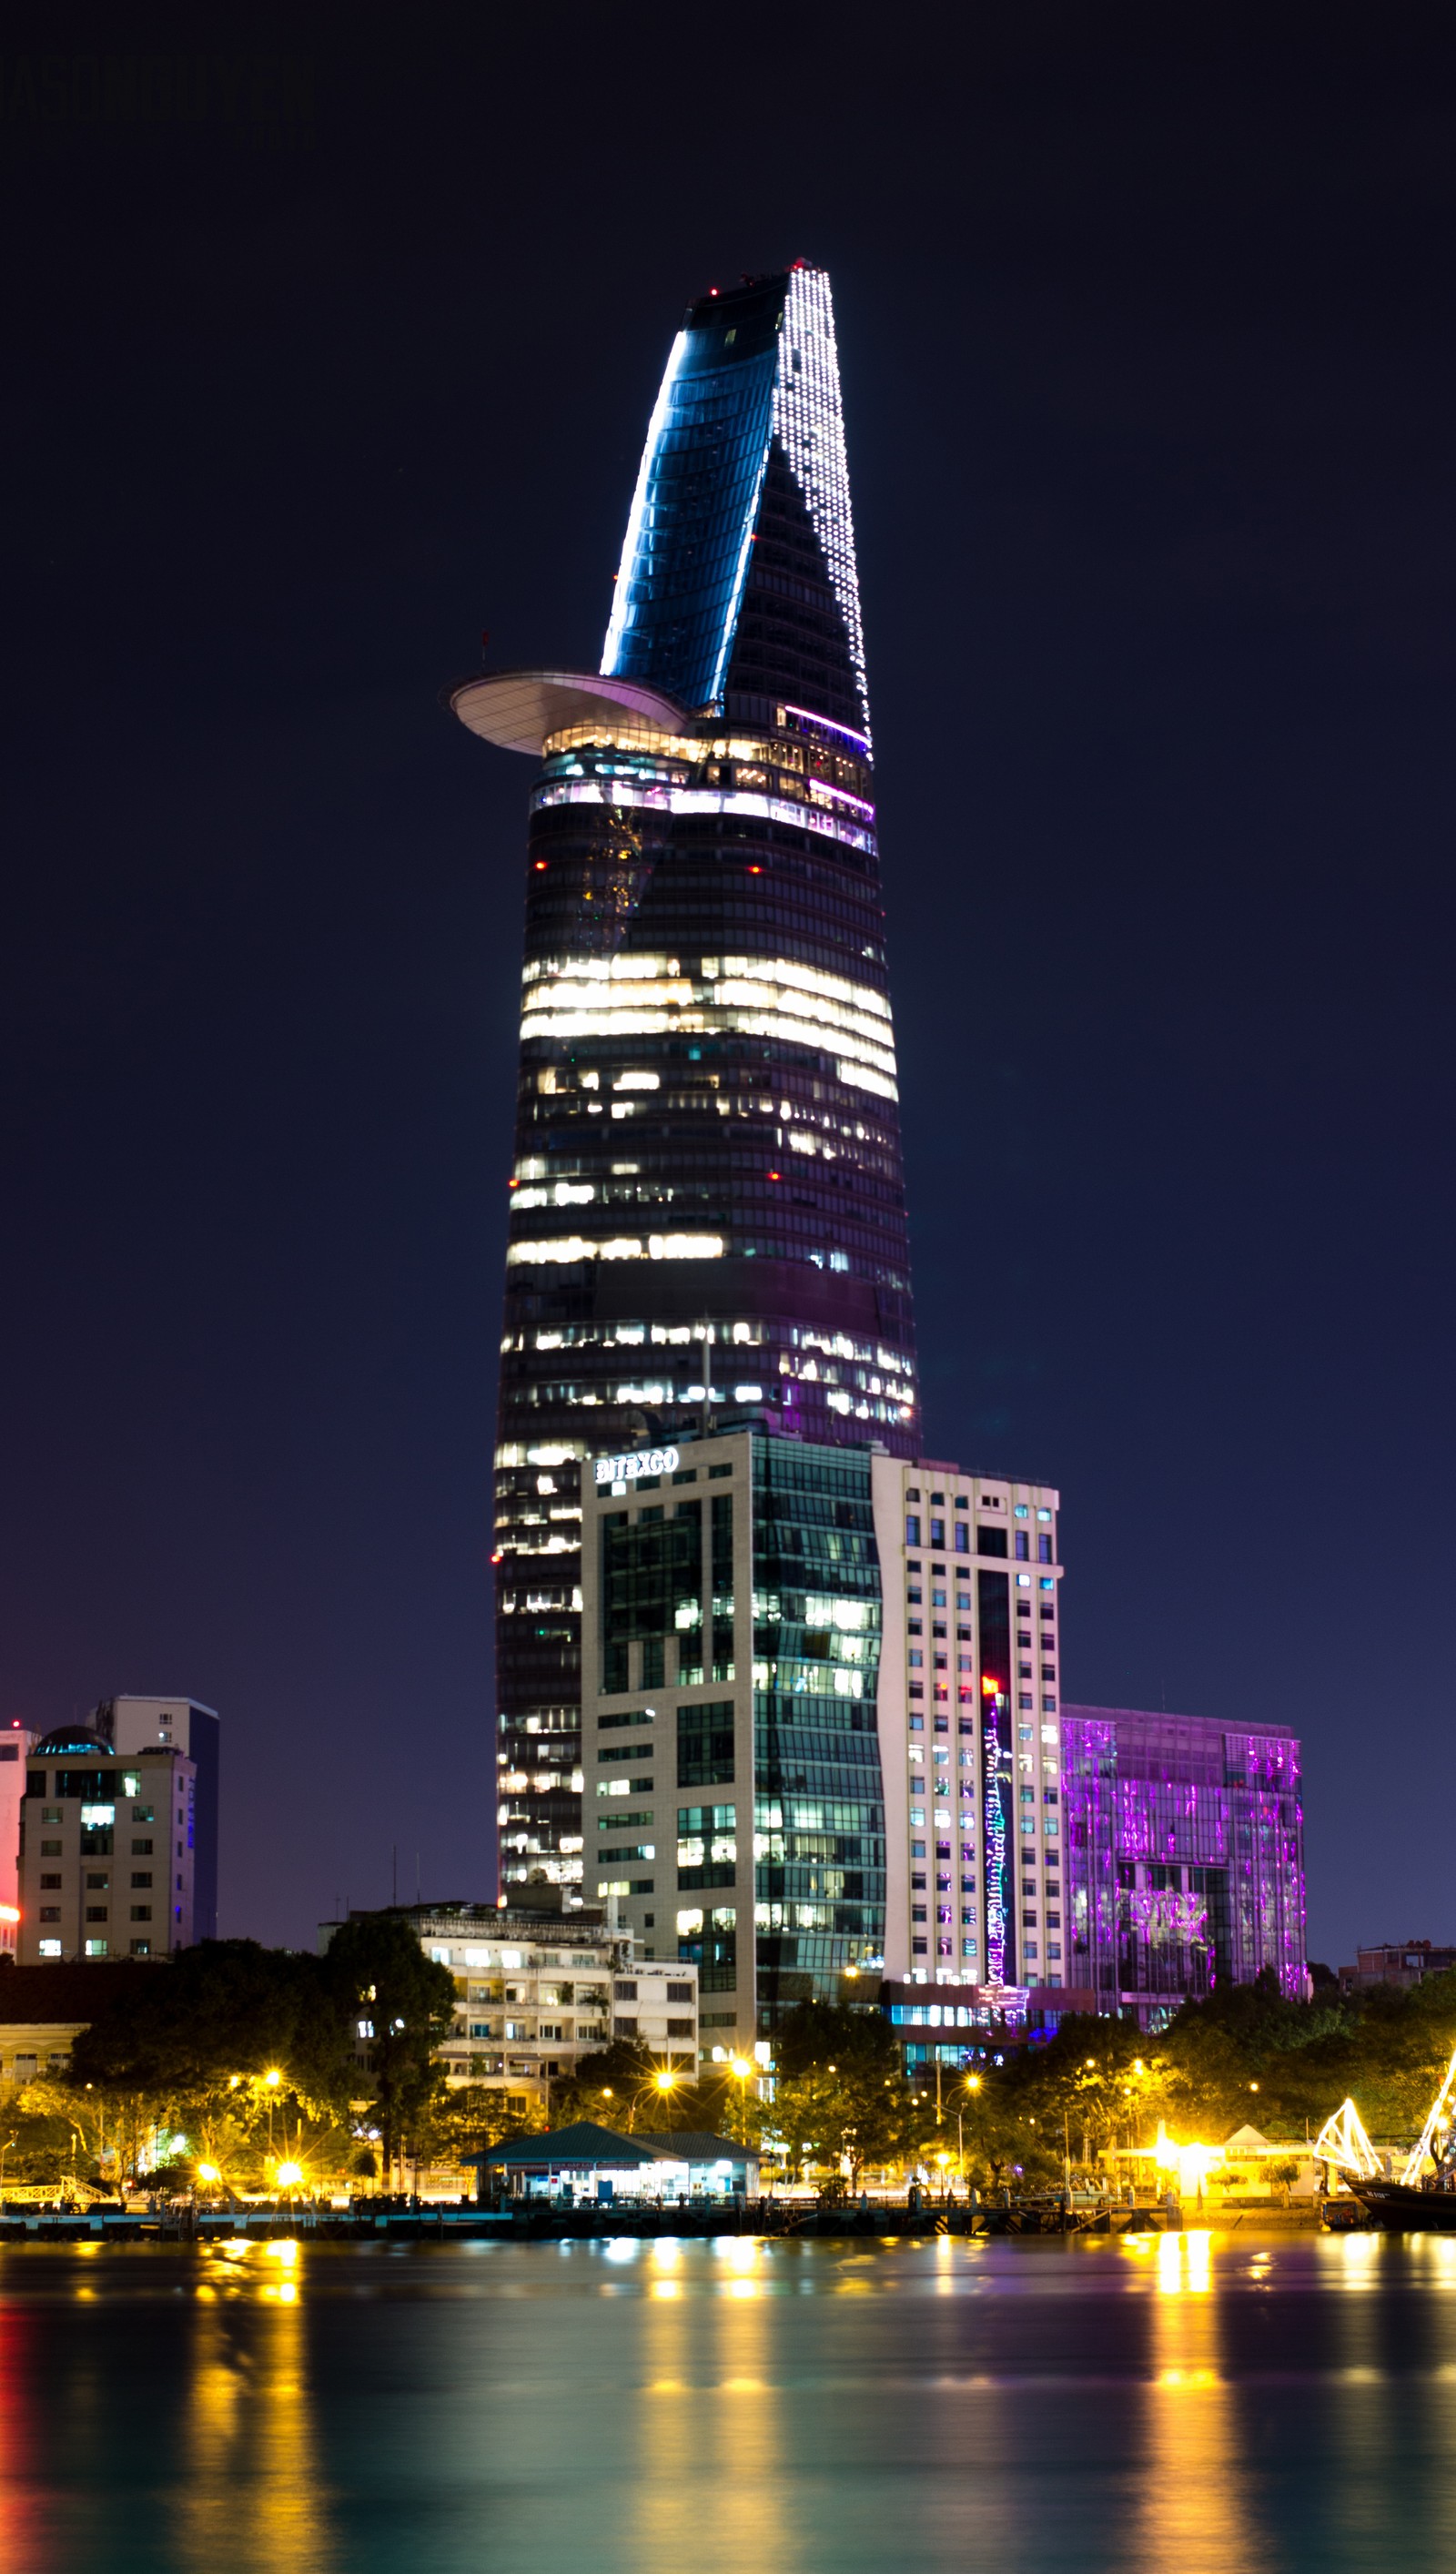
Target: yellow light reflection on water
1192, 2510
715, 2425
253, 2491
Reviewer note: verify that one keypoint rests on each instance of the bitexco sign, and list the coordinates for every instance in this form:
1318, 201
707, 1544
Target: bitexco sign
648, 1461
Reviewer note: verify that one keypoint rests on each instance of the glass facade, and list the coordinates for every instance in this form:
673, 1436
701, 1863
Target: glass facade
818, 1804
708, 1220
733, 1642
1186, 1858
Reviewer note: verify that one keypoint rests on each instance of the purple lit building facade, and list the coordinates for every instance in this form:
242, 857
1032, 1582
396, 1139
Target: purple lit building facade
1184, 1858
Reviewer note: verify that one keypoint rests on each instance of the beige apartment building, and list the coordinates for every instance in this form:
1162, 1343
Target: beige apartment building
536, 1991
107, 1847
970, 1716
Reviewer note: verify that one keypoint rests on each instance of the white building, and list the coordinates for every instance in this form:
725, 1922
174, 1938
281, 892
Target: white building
968, 1703
177, 1722
536, 1991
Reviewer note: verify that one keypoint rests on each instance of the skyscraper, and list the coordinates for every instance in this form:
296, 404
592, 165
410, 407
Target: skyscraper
707, 1221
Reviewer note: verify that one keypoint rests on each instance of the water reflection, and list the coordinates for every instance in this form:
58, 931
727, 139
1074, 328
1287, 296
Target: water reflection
1179, 2405
712, 2479
1192, 2508
251, 2493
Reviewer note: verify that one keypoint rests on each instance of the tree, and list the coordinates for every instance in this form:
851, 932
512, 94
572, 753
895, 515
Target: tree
820, 2034
467, 2119
850, 2114
235, 2046
377, 1974
227, 2008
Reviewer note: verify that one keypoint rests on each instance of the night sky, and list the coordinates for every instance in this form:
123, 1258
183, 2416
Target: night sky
337, 347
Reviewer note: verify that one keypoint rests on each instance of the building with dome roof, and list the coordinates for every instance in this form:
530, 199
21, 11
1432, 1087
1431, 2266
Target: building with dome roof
108, 1850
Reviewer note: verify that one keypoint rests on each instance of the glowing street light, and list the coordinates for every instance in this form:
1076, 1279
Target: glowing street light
1192, 2163
289, 2175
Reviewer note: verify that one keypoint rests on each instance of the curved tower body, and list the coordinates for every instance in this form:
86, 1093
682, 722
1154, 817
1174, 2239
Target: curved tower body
708, 1223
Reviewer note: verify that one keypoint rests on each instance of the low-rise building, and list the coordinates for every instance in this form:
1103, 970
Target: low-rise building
536, 1991
1396, 1961
593, 2163
106, 1851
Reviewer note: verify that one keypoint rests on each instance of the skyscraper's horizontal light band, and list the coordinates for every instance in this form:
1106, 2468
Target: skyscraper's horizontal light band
707, 800
582, 1000
862, 1067
642, 967
658, 1246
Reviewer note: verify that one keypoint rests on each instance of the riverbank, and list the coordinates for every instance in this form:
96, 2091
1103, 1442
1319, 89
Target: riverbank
769, 2219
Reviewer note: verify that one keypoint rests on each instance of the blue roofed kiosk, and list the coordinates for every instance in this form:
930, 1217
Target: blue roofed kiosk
585, 2161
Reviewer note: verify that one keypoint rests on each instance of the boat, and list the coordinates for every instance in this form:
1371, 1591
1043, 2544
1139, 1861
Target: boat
1404, 2207
1422, 2200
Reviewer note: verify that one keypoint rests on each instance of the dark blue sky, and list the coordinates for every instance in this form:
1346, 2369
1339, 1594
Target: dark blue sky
1145, 320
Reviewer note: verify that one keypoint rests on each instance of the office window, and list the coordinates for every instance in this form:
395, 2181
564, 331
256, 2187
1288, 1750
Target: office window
706, 1743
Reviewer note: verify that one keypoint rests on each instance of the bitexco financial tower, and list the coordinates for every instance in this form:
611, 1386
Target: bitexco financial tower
708, 1220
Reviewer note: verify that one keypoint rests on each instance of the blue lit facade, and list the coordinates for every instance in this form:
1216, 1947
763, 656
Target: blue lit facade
707, 1221
737, 582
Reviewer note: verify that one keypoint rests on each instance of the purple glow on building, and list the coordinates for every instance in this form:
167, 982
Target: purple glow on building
1186, 1858
995, 1840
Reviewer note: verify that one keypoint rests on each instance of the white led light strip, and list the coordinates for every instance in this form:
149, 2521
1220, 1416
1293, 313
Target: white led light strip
809, 421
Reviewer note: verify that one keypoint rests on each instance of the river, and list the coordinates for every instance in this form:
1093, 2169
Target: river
1180, 2403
